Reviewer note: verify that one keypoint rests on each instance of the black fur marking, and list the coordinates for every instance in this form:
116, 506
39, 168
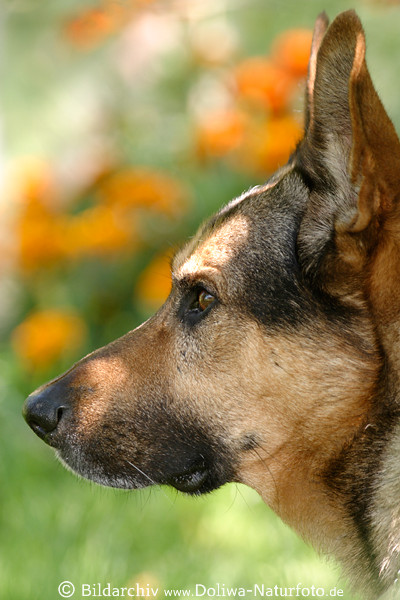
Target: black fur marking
271, 281
249, 442
308, 164
266, 271
353, 473
177, 446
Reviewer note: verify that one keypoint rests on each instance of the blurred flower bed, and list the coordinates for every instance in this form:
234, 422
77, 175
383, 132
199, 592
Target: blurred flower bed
88, 241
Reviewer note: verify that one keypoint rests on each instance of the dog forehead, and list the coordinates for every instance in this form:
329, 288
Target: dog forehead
256, 230
213, 248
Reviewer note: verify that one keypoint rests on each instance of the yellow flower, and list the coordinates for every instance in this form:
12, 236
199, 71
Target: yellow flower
220, 133
40, 236
46, 336
265, 83
144, 188
38, 224
154, 284
292, 51
99, 231
270, 143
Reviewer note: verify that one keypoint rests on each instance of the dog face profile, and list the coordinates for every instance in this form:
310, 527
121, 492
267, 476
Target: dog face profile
273, 362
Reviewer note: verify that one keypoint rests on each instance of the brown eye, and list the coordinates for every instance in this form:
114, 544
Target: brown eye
196, 305
205, 299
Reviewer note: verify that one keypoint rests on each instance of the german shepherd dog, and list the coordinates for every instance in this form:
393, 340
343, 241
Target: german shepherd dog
275, 361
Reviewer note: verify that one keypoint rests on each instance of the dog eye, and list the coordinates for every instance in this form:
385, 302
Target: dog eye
196, 303
201, 300
204, 300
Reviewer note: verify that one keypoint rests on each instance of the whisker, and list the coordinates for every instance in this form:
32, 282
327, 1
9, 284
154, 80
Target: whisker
268, 469
146, 497
141, 472
233, 500
239, 491
150, 479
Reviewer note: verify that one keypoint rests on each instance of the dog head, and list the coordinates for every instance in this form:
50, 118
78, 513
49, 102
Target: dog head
263, 362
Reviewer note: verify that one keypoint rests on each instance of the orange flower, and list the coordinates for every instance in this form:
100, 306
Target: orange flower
144, 188
38, 225
45, 235
45, 238
99, 231
220, 132
262, 81
154, 284
291, 51
93, 25
46, 336
270, 143
40, 236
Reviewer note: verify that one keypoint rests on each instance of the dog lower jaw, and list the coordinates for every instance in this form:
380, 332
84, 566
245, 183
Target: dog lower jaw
196, 480
78, 464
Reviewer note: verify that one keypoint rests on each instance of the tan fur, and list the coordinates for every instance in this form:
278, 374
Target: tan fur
321, 25
214, 252
286, 472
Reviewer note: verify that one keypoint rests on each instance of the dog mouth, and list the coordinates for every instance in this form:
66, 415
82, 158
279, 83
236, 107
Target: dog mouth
192, 476
192, 481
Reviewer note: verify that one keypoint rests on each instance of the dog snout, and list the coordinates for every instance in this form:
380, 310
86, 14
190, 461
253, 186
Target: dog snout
43, 411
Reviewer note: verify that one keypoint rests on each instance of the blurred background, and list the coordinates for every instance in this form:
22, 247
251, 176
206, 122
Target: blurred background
123, 124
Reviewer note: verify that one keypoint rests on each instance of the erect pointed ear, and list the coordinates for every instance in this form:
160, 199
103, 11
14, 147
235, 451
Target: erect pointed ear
320, 27
350, 154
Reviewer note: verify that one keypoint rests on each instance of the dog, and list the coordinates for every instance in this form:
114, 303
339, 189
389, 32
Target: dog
275, 360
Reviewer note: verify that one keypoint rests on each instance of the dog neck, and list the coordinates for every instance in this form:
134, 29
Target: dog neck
335, 496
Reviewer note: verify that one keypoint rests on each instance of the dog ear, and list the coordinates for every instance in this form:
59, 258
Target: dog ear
350, 154
321, 25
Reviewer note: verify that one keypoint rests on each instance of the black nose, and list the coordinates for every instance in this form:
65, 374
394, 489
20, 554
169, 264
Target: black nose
43, 410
